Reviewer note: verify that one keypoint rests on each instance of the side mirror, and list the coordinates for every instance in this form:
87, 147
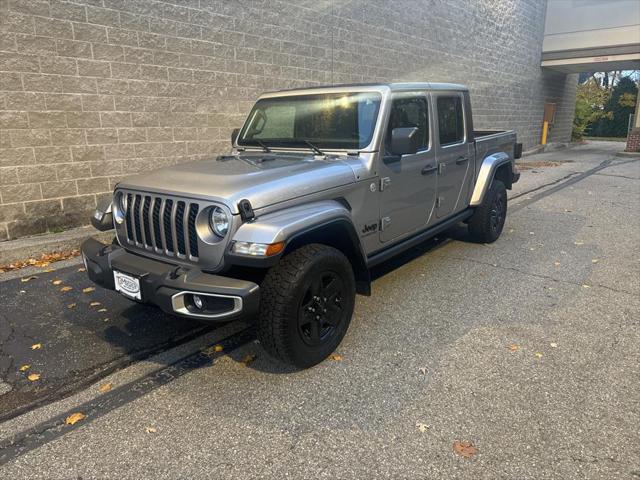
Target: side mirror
404, 141
102, 218
234, 135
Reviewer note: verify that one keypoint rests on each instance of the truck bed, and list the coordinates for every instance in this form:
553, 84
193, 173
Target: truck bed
489, 142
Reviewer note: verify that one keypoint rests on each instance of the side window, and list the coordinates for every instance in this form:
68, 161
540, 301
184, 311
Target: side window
410, 112
450, 120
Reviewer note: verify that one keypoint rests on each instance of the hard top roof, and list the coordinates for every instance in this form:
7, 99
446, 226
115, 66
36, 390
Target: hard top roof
399, 86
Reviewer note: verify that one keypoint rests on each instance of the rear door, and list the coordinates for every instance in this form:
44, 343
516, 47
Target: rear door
452, 152
407, 182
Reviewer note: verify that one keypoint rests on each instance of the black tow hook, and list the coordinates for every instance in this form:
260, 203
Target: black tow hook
176, 272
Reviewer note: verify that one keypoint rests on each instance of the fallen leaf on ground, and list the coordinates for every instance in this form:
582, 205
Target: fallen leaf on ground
88, 290
218, 348
74, 418
28, 279
422, 427
24, 368
105, 319
553, 345
465, 449
102, 310
49, 270
247, 359
538, 354
557, 264
423, 370
57, 282
584, 285
514, 347
72, 305
36, 346
578, 242
595, 260
44, 260
105, 387
82, 269
34, 377
150, 430
66, 289
336, 357
94, 304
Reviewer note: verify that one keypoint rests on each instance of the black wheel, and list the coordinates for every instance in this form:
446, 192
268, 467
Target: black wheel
306, 305
488, 220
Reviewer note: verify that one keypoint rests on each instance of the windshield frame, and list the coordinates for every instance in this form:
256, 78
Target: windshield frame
297, 146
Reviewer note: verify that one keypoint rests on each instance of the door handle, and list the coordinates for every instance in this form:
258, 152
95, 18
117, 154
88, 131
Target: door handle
428, 169
461, 160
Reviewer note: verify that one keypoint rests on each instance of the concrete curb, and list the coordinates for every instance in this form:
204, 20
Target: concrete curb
550, 147
628, 154
34, 247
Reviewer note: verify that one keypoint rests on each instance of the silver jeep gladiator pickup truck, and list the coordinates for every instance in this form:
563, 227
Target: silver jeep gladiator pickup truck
321, 184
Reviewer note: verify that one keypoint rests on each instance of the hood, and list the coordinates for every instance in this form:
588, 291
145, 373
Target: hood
264, 179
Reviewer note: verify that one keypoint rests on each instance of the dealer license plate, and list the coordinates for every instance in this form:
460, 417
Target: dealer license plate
127, 285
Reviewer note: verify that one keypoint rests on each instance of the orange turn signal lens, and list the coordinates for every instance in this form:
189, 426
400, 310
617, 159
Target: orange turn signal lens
274, 249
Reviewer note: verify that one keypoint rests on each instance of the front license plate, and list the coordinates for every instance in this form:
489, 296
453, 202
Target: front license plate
127, 285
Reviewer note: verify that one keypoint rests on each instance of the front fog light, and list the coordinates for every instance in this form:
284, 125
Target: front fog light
219, 221
197, 302
258, 249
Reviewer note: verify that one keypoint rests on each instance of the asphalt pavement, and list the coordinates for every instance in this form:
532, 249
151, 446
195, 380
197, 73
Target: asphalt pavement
523, 354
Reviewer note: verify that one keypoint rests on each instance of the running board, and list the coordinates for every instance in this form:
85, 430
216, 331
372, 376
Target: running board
392, 251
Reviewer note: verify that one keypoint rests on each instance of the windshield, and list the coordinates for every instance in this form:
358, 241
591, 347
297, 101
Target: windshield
329, 120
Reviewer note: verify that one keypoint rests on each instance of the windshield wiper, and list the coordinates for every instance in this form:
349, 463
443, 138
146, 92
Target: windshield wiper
313, 147
264, 147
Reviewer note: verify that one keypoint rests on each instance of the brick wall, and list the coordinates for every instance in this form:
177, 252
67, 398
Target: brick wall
633, 141
94, 90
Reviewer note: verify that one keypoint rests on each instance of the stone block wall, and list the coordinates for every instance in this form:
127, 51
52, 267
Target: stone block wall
94, 90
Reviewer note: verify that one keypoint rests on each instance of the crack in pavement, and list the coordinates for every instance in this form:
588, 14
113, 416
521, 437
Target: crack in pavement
565, 182
617, 176
55, 427
545, 185
538, 275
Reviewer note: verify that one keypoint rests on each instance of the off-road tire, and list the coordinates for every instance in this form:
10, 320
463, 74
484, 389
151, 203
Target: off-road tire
285, 292
486, 223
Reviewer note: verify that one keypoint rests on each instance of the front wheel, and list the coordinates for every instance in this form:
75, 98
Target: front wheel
486, 223
306, 305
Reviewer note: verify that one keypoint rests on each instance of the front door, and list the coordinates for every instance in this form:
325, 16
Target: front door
407, 182
452, 153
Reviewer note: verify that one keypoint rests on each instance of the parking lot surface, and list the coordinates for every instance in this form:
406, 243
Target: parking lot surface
523, 354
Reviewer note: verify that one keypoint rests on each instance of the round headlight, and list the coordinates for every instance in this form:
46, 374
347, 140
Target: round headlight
121, 207
219, 221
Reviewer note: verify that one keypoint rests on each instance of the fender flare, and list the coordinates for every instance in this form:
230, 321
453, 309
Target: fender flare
486, 173
326, 221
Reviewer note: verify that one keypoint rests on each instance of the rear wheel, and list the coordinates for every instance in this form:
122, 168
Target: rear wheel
488, 220
306, 305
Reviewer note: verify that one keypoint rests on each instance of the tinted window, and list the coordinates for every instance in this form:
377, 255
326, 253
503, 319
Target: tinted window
450, 120
332, 120
410, 112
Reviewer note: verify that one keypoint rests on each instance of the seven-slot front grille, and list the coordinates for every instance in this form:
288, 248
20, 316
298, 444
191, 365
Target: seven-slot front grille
165, 225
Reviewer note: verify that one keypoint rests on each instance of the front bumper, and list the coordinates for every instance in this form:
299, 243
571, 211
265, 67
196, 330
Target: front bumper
167, 286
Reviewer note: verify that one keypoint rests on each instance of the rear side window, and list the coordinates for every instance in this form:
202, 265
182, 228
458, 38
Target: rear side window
450, 120
410, 112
